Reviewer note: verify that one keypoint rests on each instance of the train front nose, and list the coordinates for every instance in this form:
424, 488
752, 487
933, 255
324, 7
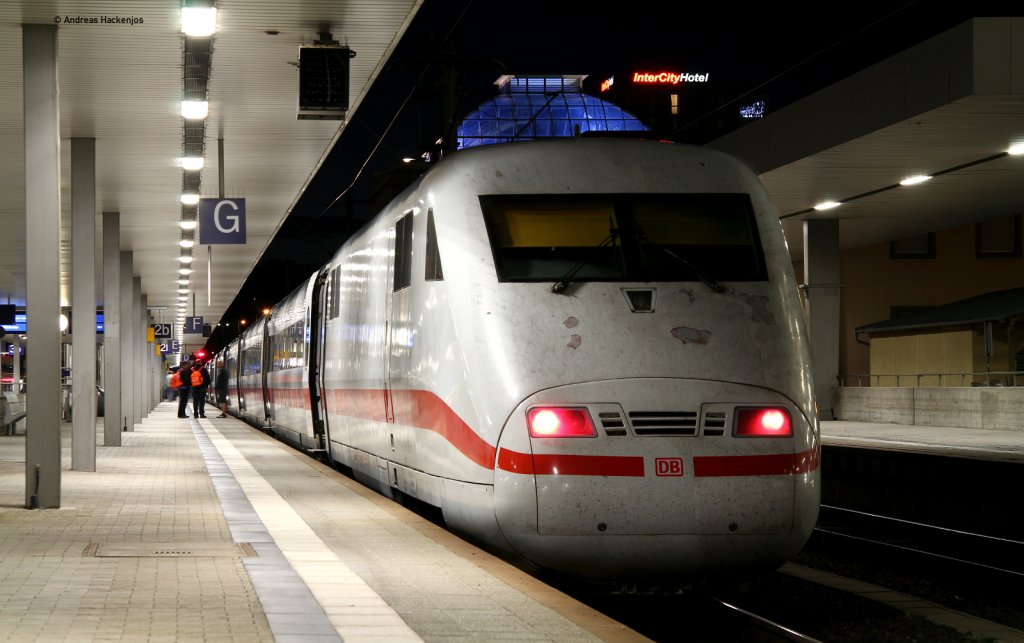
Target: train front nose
638, 488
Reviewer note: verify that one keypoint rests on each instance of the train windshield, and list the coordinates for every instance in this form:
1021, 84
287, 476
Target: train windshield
624, 237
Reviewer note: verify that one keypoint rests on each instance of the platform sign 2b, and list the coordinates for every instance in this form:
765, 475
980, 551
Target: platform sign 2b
221, 221
162, 331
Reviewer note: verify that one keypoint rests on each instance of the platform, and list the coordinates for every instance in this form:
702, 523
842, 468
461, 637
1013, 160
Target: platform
210, 530
1004, 446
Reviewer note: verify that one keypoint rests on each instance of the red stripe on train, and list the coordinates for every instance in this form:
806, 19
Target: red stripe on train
545, 464
756, 465
424, 410
421, 409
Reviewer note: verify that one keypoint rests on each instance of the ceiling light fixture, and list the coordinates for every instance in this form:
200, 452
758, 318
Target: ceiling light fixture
914, 180
198, 22
192, 163
1016, 149
186, 243
827, 205
195, 109
185, 259
189, 199
184, 271
188, 225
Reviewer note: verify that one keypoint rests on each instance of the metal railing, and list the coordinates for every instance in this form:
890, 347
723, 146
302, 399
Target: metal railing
916, 380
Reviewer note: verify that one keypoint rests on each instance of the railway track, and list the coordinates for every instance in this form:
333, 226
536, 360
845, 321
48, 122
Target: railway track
968, 554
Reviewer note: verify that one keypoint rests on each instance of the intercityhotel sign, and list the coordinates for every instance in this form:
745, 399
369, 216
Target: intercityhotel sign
668, 78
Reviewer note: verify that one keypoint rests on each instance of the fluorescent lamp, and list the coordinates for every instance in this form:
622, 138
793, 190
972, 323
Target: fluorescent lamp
183, 290
184, 271
183, 282
1016, 149
193, 109
188, 225
192, 163
185, 259
827, 205
914, 180
189, 199
186, 243
198, 22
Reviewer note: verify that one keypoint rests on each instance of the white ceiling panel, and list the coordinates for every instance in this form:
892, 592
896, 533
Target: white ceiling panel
122, 85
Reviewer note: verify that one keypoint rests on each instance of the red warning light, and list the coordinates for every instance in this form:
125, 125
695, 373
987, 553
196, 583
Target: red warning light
763, 423
560, 422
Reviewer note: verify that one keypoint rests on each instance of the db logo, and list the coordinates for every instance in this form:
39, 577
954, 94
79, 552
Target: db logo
668, 467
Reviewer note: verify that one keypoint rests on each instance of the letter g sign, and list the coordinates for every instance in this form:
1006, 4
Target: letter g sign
221, 221
218, 218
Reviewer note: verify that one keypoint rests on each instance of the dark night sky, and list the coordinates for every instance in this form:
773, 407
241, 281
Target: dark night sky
782, 48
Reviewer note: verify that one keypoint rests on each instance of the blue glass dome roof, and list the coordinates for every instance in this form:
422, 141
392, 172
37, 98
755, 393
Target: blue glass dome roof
542, 108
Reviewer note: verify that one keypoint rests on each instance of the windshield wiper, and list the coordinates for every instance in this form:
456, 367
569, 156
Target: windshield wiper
711, 283
563, 283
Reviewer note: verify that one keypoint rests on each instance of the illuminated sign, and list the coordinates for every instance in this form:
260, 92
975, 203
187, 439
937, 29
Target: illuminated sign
753, 110
606, 85
669, 78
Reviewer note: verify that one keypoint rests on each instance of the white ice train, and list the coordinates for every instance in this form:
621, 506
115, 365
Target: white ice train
588, 352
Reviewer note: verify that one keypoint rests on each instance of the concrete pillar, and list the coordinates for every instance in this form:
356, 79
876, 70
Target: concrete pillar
42, 250
127, 345
83, 304
111, 329
139, 341
822, 289
154, 376
145, 347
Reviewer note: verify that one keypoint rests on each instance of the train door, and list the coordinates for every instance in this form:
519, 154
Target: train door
389, 406
317, 329
242, 372
265, 358
399, 278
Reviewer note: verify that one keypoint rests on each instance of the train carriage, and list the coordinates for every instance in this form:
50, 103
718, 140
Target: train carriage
288, 368
250, 389
229, 357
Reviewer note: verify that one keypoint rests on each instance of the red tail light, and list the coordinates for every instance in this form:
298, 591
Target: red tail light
560, 422
773, 422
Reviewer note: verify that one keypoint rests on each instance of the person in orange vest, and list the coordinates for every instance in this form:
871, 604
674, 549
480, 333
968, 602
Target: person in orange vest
200, 380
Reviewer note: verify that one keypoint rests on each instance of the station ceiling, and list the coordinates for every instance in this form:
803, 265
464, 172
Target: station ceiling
121, 83
948, 108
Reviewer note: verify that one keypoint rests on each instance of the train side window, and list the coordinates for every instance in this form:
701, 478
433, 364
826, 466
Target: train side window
403, 253
433, 271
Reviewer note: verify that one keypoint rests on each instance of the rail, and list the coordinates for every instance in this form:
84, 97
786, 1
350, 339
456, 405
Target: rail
915, 380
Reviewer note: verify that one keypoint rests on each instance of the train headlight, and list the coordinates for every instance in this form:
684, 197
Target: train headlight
772, 422
560, 422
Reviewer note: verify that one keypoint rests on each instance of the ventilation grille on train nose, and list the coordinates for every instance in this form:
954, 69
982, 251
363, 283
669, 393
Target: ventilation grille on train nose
612, 423
663, 422
714, 423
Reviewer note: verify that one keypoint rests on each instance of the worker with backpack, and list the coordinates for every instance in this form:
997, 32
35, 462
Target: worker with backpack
181, 381
200, 380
